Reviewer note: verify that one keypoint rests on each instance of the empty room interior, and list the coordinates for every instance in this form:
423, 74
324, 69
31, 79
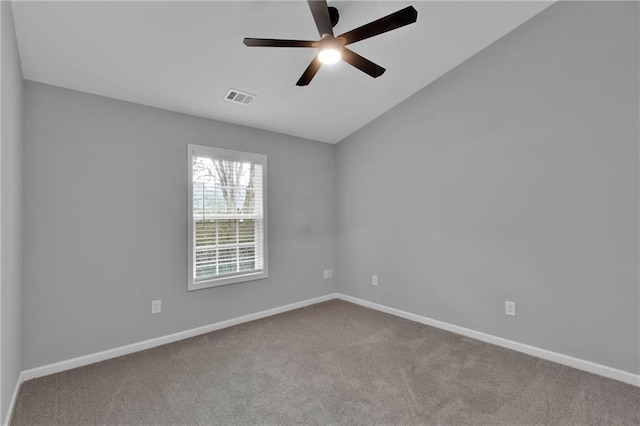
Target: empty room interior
311, 212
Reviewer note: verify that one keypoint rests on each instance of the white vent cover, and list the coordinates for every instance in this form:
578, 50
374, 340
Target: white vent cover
239, 97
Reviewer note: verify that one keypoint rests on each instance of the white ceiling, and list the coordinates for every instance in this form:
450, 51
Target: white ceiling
184, 56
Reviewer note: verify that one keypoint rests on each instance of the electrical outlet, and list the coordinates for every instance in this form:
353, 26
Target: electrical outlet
374, 279
510, 308
156, 306
328, 273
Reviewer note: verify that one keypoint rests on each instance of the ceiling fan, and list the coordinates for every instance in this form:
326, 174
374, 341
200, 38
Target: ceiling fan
330, 48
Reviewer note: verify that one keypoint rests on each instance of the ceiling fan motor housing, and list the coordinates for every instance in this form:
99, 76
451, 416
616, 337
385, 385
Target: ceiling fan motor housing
334, 16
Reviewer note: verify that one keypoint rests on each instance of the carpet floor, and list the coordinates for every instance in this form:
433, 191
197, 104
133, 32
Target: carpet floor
331, 363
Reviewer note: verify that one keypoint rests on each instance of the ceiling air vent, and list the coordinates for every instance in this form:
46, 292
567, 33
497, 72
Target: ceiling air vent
239, 97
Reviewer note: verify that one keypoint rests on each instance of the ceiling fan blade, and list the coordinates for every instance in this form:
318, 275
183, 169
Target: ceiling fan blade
363, 64
398, 19
320, 12
311, 71
274, 42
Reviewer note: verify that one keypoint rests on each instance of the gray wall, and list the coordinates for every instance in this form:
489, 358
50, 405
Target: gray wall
513, 177
11, 193
106, 207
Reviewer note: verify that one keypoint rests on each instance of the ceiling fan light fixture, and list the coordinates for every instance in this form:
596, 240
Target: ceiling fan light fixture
329, 55
330, 49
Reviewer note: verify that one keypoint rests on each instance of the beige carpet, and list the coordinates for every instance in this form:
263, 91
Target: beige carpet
332, 363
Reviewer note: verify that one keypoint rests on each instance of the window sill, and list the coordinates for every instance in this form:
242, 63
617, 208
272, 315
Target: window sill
235, 279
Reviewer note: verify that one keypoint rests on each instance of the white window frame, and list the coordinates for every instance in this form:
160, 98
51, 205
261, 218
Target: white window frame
231, 155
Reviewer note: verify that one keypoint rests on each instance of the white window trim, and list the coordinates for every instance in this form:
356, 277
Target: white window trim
232, 155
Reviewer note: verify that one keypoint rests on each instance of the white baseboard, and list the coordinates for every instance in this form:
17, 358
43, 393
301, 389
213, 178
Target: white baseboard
163, 340
580, 364
14, 397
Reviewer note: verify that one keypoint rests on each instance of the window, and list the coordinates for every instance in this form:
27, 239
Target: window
227, 217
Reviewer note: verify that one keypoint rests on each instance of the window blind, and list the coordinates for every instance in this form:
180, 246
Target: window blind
228, 217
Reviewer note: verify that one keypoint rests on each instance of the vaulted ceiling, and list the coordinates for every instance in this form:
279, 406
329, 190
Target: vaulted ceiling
184, 56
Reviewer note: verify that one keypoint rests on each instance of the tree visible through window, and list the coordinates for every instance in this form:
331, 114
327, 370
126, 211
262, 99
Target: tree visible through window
227, 216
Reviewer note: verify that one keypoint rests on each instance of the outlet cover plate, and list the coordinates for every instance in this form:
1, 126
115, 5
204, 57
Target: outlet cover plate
510, 308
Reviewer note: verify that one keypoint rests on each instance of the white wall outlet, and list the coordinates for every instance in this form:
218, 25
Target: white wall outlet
156, 306
510, 308
328, 273
374, 279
